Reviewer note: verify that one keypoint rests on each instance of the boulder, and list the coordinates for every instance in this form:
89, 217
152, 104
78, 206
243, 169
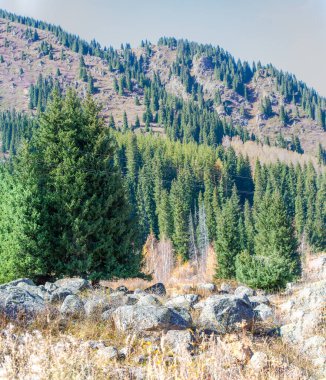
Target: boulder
72, 307
207, 287
142, 318
75, 285
59, 295
107, 353
264, 312
35, 290
157, 289
242, 291
50, 287
225, 287
16, 302
96, 305
122, 288
149, 299
258, 361
185, 301
16, 282
257, 300
179, 341
225, 313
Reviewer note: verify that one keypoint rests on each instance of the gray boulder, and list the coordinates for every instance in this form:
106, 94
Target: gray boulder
185, 301
75, 285
142, 318
96, 305
258, 361
149, 299
72, 307
59, 295
257, 300
179, 341
242, 291
264, 312
16, 282
157, 289
122, 288
50, 287
16, 302
35, 290
224, 313
108, 353
225, 287
207, 287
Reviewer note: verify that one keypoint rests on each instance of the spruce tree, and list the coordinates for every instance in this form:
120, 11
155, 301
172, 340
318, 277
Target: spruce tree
275, 261
227, 245
78, 197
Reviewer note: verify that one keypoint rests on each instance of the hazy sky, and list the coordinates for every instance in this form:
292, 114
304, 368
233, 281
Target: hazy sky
291, 34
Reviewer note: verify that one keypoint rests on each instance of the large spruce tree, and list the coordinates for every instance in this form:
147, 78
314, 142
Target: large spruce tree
69, 211
275, 261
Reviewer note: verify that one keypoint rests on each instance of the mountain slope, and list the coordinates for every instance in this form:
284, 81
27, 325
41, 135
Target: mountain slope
207, 77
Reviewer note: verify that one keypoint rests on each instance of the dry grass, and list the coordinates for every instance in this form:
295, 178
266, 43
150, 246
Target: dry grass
48, 354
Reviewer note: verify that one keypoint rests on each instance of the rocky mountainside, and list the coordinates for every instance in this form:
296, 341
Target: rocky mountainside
187, 75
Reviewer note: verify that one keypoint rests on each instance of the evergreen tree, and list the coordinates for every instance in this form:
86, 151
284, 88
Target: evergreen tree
227, 245
275, 261
79, 200
125, 122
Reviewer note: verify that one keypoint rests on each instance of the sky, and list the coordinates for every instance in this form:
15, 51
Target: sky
290, 34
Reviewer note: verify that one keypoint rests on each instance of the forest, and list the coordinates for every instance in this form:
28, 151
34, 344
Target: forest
89, 196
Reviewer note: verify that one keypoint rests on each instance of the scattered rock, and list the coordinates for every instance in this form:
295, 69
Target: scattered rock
122, 288
95, 345
148, 299
157, 289
96, 305
50, 287
225, 287
59, 295
242, 291
186, 302
264, 312
257, 300
108, 353
75, 285
207, 287
72, 307
179, 341
259, 361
